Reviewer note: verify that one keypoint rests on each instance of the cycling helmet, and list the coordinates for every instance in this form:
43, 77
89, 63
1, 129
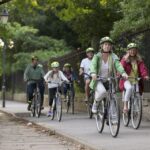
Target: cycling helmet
34, 58
55, 64
67, 65
132, 45
106, 39
90, 49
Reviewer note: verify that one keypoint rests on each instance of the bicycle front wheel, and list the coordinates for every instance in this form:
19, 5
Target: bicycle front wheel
33, 107
126, 116
99, 117
53, 109
59, 108
136, 111
114, 116
38, 105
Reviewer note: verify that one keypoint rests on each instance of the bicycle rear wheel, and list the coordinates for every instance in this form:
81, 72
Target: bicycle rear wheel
99, 117
136, 111
38, 105
127, 116
114, 116
59, 108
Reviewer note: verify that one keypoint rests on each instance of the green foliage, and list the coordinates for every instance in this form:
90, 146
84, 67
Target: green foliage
22, 59
89, 18
135, 17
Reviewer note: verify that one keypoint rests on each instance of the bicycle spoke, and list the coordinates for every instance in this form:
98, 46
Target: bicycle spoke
114, 117
136, 112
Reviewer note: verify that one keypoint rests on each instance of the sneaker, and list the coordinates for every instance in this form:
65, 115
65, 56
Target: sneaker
49, 114
94, 108
29, 107
107, 122
42, 107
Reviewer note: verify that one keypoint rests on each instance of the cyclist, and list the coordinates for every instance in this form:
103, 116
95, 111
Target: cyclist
34, 73
70, 75
104, 64
135, 67
57, 76
85, 69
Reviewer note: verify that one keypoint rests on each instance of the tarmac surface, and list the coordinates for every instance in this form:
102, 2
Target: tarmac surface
81, 129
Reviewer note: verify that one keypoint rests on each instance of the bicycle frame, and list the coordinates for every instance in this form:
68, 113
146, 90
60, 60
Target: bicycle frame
111, 107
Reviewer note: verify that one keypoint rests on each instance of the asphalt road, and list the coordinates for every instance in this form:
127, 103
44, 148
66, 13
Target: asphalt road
83, 129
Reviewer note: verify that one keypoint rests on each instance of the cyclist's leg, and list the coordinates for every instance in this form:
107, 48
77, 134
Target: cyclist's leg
42, 89
87, 88
30, 90
100, 93
127, 95
51, 95
65, 90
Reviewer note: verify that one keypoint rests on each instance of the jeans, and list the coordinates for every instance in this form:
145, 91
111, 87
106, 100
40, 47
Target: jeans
30, 90
67, 87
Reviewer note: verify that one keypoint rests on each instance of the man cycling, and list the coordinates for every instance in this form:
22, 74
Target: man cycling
34, 73
104, 64
85, 69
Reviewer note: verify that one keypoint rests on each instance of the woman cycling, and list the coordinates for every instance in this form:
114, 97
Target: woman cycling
70, 75
134, 67
56, 76
104, 64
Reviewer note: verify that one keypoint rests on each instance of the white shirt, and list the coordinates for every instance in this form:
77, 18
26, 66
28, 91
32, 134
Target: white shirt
57, 78
85, 64
104, 69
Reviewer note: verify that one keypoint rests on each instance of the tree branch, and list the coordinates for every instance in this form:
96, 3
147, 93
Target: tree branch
4, 1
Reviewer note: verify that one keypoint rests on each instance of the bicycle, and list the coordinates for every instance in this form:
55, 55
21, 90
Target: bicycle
134, 108
90, 101
70, 98
57, 103
108, 109
36, 102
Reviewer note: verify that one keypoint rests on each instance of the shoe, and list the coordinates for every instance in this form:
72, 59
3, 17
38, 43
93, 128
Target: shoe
49, 114
42, 107
94, 108
86, 100
29, 107
107, 122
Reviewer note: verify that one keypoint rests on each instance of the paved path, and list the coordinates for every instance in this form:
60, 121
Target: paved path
82, 129
17, 136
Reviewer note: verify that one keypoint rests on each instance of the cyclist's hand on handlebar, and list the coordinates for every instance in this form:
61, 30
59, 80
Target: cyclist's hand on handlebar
125, 76
146, 77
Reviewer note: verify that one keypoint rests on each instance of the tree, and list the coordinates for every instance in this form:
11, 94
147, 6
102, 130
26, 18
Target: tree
135, 18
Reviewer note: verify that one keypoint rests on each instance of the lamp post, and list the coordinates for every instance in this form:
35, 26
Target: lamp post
3, 20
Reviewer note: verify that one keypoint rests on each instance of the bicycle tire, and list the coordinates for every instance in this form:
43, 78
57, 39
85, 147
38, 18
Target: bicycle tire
68, 102
59, 108
114, 116
99, 116
127, 116
33, 107
53, 109
89, 105
136, 110
72, 102
38, 105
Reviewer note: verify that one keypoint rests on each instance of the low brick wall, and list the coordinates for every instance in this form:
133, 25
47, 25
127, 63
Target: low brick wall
80, 105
